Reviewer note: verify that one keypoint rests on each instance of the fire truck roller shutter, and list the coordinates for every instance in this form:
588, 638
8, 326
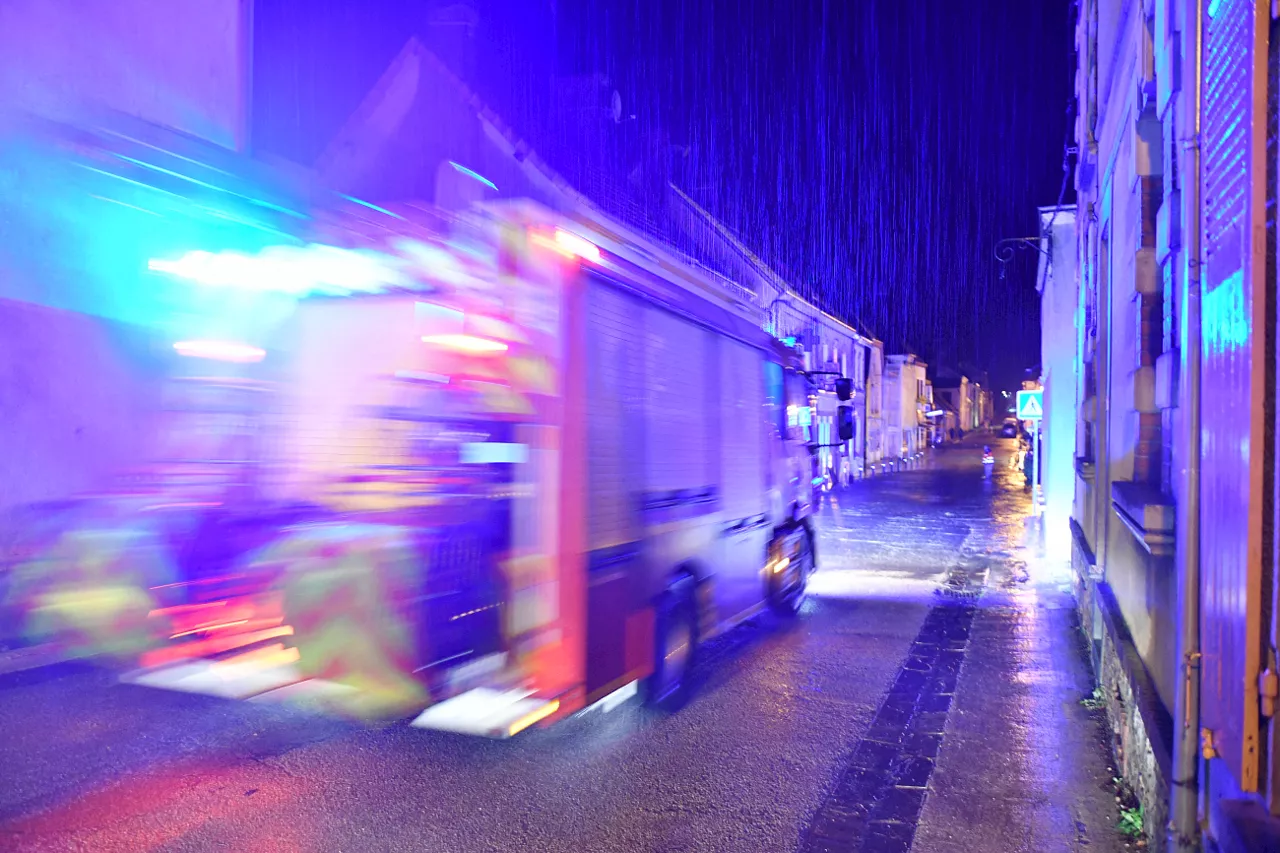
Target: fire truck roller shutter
619, 620
744, 533
680, 488
679, 426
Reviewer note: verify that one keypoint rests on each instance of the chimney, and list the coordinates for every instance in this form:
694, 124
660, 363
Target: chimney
451, 35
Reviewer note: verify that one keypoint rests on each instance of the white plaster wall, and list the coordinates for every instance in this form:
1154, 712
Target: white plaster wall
76, 393
179, 63
1058, 360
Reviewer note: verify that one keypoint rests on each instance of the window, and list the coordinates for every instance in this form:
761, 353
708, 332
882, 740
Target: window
1093, 370
774, 394
799, 415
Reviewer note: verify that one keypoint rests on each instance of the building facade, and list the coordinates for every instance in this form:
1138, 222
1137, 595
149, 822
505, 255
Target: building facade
906, 403
934, 423
956, 394
828, 344
81, 319
874, 449
187, 68
975, 418
1058, 283
963, 391
830, 348
1173, 515
986, 408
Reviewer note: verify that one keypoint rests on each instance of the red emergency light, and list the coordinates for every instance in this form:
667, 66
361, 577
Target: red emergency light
568, 244
220, 351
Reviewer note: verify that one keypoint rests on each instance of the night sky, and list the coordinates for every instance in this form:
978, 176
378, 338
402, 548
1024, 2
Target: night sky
872, 151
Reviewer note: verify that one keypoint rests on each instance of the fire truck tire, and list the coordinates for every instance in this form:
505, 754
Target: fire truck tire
789, 588
675, 643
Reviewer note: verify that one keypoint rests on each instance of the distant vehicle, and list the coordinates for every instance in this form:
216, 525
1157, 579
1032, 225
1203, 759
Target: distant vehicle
1009, 430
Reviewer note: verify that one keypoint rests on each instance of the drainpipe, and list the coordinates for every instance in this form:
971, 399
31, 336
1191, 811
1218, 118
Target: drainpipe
1102, 467
1184, 827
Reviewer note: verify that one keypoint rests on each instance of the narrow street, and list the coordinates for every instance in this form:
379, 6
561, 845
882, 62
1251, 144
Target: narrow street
929, 699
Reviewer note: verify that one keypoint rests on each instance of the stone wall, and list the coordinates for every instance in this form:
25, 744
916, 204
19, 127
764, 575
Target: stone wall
1142, 728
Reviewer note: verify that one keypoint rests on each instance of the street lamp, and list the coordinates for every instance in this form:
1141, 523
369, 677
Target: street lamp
1004, 249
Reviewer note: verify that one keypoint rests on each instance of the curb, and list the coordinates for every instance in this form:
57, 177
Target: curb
33, 657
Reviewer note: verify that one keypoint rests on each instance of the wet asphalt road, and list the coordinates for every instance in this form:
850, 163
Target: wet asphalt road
89, 764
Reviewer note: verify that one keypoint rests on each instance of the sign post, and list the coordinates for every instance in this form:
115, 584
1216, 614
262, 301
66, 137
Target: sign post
1031, 408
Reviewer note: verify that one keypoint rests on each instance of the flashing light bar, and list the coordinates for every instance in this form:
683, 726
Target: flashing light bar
297, 271
577, 245
466, 343
220, 351
569, 244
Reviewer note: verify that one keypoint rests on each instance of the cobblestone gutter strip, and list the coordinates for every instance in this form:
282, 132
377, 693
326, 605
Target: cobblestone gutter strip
876, 803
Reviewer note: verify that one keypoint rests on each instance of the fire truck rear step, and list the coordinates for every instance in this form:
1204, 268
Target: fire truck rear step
488, 713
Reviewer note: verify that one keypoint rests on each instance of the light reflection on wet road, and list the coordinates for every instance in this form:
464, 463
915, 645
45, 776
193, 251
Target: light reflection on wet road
90, 764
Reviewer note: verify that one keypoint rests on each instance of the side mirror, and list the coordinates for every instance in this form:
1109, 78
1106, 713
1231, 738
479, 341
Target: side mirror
844, 389
844, 423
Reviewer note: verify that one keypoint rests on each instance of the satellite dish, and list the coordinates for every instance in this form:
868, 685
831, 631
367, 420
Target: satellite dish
615, 107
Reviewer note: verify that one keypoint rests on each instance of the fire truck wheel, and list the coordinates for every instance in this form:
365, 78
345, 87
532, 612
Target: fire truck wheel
788, 588
675, 641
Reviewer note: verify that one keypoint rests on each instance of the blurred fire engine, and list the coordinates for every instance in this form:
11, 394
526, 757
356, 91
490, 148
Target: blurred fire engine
490, 469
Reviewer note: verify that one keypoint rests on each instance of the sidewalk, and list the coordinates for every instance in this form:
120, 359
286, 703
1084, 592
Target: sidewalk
988, 739
1026, 764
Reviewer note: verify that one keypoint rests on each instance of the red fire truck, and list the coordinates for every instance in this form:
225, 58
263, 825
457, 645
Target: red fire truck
499, 467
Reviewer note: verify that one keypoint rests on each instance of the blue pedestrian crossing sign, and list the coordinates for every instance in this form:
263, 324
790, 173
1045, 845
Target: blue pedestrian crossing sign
1030, 405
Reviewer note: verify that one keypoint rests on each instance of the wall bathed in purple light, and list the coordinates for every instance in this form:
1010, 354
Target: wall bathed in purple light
76, 394
180, 64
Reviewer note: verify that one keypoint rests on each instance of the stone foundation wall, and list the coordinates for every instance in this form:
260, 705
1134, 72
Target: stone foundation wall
1142, 728
1142, 753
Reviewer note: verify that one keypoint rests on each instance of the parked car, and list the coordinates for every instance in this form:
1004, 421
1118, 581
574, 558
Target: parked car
1009, 430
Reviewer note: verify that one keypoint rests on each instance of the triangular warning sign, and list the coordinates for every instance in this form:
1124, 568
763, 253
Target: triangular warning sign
1031, 408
